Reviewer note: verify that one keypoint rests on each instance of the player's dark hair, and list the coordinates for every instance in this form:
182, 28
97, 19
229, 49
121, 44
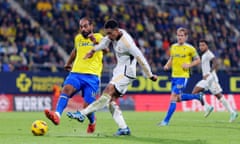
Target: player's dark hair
204, 41
112, 24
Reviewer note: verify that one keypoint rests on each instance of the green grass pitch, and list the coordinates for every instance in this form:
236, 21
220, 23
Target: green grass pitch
185, 128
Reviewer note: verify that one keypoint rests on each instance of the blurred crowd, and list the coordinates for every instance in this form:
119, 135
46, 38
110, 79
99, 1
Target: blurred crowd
152, 23
22, 47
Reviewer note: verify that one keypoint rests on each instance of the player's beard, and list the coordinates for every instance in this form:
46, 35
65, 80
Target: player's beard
85, 34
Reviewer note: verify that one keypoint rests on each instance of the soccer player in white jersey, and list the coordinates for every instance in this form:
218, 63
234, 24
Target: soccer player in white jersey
210, 80
127, 54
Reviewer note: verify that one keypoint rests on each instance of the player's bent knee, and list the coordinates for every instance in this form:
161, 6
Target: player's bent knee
68, 89
110, 90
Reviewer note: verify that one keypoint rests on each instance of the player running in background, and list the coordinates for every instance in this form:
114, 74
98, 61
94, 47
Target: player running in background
84, 75
210, 80
127, 54
183, 56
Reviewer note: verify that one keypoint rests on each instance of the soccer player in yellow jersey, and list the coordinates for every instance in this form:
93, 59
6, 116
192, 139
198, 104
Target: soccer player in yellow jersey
183, 56
84, 74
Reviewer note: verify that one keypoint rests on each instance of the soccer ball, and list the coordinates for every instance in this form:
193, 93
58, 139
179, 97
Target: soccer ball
39, 127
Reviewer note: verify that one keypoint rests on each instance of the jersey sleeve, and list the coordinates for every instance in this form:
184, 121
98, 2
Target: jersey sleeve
75, 41
211, 55
104, 43
194, 53
98, 37
135, 51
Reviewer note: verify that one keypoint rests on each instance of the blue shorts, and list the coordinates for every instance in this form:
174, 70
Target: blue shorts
87, 83
178, 85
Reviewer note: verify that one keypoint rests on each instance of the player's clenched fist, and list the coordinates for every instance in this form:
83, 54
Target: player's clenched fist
154, 78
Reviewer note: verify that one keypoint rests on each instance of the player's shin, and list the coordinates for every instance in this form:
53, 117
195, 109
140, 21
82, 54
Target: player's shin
91, 118
171, 110
187, 97
62, 103
226, 104
206, 105
117, 115
97, 105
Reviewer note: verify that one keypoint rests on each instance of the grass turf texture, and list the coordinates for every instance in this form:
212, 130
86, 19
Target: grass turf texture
185, 128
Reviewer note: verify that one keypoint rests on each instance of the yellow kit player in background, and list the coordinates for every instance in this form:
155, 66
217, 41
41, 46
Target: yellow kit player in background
183, 56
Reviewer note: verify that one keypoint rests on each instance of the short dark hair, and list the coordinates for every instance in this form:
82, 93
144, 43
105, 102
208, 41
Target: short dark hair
112, 24
204, 41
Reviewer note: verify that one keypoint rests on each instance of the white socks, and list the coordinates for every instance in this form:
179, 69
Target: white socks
113, 108
206, 105
223, 101
226, 104
117, 115
97, 105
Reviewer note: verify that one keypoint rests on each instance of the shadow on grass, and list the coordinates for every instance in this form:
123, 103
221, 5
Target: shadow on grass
133, 139
148, 140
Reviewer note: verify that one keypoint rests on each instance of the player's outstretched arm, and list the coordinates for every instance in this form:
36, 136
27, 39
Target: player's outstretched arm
142, 62
195, 62
104, 43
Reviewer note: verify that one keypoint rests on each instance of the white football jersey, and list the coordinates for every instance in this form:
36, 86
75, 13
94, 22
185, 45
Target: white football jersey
211, 83
127, 54
206, 64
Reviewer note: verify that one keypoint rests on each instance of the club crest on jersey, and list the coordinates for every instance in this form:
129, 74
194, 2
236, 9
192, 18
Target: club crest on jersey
179, 56
85, 44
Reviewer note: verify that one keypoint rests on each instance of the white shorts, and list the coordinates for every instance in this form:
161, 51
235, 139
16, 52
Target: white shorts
212, 85
121, 83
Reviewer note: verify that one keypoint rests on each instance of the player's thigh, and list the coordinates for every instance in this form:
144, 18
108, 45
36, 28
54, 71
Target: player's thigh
74, 80
72, 84
178, 85
89, 94
215, 88
203, 84
121, 83
90, 91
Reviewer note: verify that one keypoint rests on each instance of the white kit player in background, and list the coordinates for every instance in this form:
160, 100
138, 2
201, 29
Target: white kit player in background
127, 54
210, 80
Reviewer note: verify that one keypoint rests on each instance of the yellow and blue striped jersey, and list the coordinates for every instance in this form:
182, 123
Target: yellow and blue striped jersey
87, 66
181, 54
